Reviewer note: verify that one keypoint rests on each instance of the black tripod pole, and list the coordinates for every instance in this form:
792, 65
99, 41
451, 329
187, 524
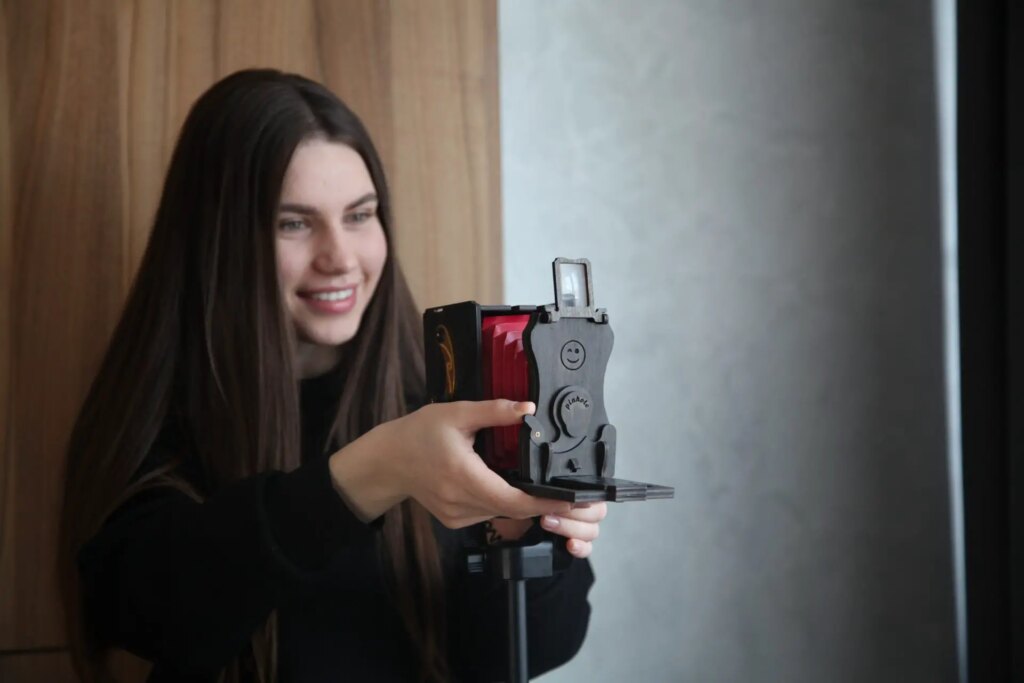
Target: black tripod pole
516, 564
518, 665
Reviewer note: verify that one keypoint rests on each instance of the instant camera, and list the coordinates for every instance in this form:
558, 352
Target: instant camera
553, 355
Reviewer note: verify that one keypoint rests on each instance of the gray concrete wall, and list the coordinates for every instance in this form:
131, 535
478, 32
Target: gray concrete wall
756, 186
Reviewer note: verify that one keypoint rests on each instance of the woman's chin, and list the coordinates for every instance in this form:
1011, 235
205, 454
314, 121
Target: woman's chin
336, 339
327, 335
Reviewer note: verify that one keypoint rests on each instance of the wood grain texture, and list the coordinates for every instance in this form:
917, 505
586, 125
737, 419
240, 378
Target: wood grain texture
453, 181
92, 94
66, 283
6, 332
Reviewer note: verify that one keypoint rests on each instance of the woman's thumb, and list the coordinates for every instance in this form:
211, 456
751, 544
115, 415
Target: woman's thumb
498, 412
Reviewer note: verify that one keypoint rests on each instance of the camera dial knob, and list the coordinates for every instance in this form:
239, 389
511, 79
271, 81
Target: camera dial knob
574, 409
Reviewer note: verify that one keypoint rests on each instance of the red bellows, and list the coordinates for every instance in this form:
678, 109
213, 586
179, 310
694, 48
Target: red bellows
504, 376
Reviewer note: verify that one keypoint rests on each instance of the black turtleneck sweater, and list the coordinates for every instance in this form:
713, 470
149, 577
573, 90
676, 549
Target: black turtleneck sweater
185, 584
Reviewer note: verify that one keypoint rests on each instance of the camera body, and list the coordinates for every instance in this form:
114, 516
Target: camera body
553, 355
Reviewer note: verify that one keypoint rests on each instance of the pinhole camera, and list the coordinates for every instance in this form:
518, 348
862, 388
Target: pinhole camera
554, 355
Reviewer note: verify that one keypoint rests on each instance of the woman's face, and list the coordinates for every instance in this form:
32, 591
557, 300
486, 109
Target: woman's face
331, 248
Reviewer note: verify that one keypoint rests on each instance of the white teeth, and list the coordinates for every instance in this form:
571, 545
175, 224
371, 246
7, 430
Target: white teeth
332, 296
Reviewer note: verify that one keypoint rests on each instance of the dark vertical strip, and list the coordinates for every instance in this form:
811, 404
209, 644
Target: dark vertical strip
981, 341
1013, 41
991, 263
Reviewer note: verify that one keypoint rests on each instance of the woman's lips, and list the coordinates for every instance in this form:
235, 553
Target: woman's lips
335, 300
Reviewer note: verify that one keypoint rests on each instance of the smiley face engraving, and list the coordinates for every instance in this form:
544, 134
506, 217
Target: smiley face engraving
573, 355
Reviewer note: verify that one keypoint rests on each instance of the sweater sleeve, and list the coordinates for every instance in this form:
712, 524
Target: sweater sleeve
557, 616
185, 584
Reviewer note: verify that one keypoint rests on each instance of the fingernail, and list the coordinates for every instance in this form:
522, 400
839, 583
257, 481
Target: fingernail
550, 521
525, 407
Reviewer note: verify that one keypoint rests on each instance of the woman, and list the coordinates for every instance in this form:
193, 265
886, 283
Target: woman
251, 493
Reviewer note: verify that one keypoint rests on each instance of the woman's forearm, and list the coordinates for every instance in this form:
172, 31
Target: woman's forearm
360, 475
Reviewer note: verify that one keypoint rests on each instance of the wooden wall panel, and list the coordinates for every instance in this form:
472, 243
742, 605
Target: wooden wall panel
92, 94
6, 335
66, 283
448, 47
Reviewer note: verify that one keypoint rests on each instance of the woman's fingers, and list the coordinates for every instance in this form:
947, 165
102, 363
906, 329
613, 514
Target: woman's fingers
579, 525
578, 548
438, 467
472, 416
594, 512
570, 528
474, 493
505, 500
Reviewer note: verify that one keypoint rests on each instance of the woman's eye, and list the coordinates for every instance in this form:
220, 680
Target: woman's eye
291, 225
361, 216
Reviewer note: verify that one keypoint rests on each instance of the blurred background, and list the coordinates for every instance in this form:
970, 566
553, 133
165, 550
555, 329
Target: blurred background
768, 193
757, 185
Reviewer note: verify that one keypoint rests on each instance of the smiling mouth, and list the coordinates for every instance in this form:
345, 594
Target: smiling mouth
340, 295
330, 301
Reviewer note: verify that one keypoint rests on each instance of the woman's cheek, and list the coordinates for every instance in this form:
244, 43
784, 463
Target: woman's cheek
376, 255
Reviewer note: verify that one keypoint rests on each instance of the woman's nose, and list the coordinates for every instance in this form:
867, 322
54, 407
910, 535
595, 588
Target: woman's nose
335, 252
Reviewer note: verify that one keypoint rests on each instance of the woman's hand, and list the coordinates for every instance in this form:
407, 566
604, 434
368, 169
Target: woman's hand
428, 455
580, 526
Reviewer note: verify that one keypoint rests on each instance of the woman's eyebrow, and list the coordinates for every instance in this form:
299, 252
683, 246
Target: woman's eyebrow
368, 197
298, 208
308, 210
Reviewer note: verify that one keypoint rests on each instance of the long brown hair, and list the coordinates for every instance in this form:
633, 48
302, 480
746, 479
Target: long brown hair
204, 341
